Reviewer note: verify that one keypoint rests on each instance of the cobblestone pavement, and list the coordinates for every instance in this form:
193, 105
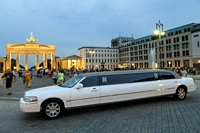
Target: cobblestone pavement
153, 115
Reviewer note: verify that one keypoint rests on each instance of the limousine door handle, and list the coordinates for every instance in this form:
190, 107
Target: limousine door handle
94, 89
175, 81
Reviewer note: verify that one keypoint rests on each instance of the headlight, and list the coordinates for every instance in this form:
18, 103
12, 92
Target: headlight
30, 99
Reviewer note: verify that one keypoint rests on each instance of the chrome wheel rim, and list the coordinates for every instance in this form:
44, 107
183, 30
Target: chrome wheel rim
53, 109
181, 93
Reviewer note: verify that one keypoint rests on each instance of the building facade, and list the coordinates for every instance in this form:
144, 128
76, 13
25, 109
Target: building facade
178, 47
99, 57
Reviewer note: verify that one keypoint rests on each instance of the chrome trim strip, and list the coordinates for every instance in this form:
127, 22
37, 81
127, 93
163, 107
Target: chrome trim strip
162, 89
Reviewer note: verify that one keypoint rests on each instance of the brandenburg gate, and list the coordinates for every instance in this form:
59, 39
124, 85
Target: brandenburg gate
30, 47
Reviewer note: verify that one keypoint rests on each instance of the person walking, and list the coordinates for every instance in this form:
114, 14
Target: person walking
194, 71
183, 72
55, 77
28, 79
61, 77
9, 77
23, 76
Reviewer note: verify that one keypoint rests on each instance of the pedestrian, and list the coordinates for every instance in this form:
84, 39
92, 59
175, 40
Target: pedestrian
55, 77
183, 72
28, 79
179, 72
23, 76
61, 77
49, 73
194, 71
9, 77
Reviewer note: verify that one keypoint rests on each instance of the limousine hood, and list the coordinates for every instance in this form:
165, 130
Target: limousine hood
46, 90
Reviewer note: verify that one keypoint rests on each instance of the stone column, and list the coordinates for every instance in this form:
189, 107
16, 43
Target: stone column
26, 61
52, 60
17, 61
4, 65
37, 61
44, 60
8, 60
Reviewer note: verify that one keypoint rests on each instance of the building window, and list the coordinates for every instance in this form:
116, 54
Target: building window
183, 53
198, 44
195, 35
187, 52
183, 38
174, 54
174, 40
177, 39
178, 54
86, 60
169, 41
186, 37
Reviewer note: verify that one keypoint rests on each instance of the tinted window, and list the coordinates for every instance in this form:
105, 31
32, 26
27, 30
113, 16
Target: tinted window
90, 81
127, 78
165, 75
141, 77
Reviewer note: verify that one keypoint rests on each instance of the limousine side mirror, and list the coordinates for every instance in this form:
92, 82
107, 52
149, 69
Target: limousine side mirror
79, 86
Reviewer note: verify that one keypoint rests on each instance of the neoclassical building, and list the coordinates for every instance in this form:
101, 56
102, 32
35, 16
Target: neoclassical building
30, 47
69, 62
2, 64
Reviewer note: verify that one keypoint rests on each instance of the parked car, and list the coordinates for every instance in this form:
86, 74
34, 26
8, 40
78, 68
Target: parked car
105, 87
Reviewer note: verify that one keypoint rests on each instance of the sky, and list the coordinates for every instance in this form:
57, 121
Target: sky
71, 24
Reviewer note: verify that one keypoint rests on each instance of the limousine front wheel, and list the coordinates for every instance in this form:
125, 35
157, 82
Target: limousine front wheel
180, 93
52, 109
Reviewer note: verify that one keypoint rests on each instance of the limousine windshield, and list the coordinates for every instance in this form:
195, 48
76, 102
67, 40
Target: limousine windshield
73, 81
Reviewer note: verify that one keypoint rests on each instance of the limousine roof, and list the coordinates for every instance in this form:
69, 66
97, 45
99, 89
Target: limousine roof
124, 72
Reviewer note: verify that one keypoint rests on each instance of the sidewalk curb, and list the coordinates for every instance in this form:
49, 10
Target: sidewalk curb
10, 98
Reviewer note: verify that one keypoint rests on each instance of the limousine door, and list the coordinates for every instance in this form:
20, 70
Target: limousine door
169, 82
87, 95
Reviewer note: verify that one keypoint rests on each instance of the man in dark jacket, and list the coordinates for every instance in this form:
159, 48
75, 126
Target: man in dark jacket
9, 77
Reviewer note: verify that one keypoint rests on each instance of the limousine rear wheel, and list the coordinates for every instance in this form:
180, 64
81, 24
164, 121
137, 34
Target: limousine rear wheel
181, 93
52, 109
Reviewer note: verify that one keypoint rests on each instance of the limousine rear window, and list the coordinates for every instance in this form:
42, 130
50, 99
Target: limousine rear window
73, 81
165, 75
127, 78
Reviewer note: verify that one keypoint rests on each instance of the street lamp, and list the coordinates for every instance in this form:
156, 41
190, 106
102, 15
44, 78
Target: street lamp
169, 63
91, 51
159, 31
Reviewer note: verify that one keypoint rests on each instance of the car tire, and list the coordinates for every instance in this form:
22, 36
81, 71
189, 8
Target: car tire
52, 109
180, 93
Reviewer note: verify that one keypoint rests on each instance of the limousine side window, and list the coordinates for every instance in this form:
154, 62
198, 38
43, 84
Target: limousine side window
165, 75
90, 81
127, 78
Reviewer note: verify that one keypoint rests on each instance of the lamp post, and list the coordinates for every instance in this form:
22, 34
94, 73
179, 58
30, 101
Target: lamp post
169, 63
159, 31
91, 51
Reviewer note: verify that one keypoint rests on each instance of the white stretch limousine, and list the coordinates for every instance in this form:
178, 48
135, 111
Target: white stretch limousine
105, 87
